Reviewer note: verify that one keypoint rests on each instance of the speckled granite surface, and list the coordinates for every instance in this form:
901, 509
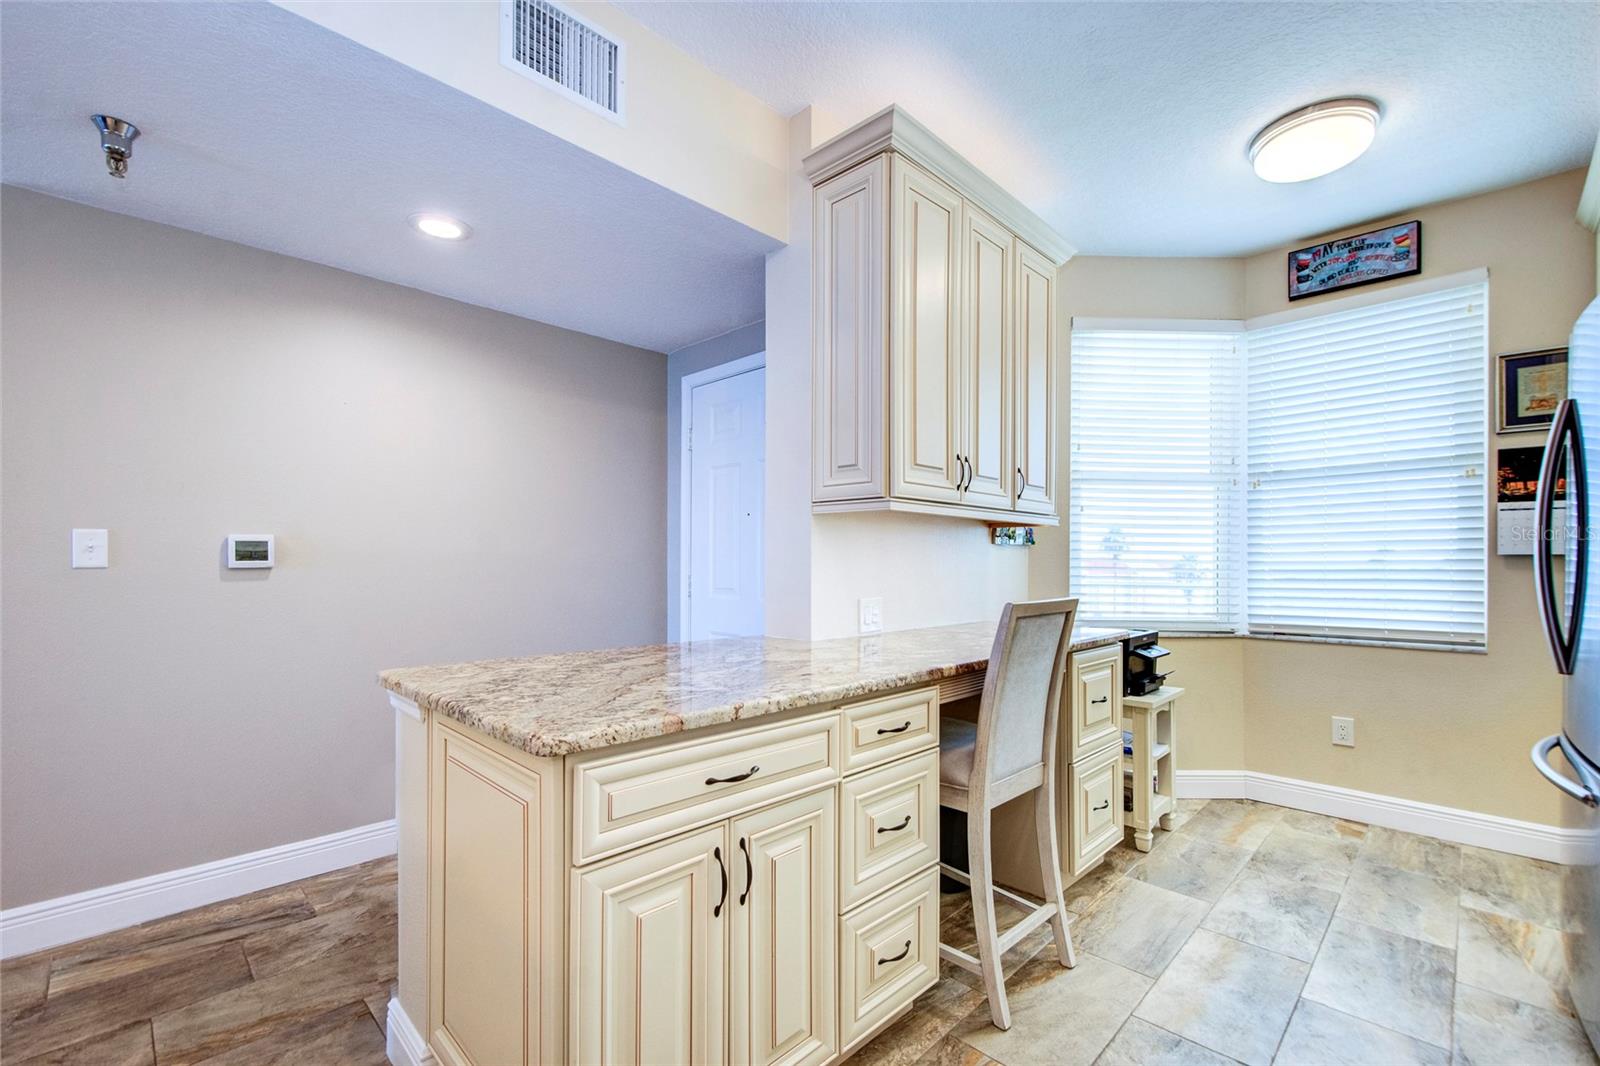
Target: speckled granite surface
578, 701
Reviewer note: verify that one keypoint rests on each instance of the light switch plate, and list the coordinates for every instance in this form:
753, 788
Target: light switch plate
91, 549
872, 614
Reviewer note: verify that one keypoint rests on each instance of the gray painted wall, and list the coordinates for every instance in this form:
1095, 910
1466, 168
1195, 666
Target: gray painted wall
445, 483
746, 340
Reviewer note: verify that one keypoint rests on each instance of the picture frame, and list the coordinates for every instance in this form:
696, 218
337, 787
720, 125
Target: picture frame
1381, 254
1529, 386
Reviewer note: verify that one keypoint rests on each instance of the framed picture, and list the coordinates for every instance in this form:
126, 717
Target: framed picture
1377, 255
1530, 385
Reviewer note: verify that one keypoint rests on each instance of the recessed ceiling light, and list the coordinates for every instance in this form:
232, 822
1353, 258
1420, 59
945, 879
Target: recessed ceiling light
441, 226
1314, 140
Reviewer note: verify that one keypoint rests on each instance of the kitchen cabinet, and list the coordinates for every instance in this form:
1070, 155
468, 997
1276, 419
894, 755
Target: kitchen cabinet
933, 333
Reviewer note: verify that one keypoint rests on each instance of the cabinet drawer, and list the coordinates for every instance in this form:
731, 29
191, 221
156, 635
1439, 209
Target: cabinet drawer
879, 730
625, 800
889, 827
1094, 809
1094, 700
888, 954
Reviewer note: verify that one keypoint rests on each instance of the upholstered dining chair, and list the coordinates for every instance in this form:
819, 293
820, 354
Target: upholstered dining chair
1008, 752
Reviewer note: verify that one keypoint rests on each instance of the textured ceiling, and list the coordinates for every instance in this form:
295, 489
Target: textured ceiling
1125, 124
262, 128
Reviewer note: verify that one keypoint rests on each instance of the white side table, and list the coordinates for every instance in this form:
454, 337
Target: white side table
1150, 767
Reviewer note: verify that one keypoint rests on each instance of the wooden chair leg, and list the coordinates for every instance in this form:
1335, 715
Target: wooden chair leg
1044, 821
994, 978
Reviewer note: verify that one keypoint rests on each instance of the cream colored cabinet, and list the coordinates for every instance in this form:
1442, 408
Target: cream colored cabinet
1094, 701
986, 359
925, 460
782, 966
652, 969
932, 333
1033, 384
1094, 809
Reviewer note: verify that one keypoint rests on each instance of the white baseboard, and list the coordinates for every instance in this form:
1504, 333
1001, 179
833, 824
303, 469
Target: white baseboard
53, 922
1533, 839
404, 1045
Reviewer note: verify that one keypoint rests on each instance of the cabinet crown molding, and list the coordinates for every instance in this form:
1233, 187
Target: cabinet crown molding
893, 130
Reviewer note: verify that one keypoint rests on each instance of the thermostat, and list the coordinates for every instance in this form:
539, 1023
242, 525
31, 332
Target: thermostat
249, 551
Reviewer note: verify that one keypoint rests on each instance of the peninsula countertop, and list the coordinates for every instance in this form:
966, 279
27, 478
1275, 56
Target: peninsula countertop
555, 705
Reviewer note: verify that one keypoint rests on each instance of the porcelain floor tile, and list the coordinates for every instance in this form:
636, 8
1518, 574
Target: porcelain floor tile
1407, 851
1514, 958
1231, 997
1139, 1043
1241, 823
936, 1012
1512, 885
128, 1046
1306, 858
1322, 1036
1390, 980
1280, 915
1058, 1017
1323, 826
1413, 905
1193, 866
953, 1051
1140, 926
1493, 1030
346, 1035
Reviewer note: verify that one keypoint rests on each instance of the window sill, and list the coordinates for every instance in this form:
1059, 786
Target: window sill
1462, 649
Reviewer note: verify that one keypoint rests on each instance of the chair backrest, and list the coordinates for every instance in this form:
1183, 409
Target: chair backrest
1022, 690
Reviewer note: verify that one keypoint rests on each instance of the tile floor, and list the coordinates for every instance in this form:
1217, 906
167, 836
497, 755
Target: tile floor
1250, 934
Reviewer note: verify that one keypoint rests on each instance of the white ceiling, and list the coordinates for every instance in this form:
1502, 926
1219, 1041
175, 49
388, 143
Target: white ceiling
263, 128
1125, 124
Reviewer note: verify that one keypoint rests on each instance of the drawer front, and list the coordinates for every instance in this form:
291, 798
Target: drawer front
625, 800
889, 827
879, 730
1094, 817
888, 954
1094, 700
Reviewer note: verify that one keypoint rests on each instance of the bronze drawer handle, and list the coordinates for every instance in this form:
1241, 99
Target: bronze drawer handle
896, 729
898, 957
1102, 699
896, 828
747, 775
1102, 806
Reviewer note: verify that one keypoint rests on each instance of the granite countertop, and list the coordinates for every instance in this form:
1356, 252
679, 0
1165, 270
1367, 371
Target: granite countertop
579, 701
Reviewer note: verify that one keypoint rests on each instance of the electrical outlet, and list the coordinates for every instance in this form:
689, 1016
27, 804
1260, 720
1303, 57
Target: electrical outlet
872, 614
1344, 731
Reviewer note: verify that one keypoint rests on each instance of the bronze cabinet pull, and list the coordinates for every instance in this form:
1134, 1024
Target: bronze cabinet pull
749, 872
747, 775
897, 958
895, 828
1102, 699
1103, 806
896, 729
1022, 482
716, 853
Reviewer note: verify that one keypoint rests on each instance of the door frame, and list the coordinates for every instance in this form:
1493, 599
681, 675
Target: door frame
731, 369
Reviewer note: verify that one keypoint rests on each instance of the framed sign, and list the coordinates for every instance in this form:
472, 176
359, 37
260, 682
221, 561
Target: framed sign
1378, 255
1531, 385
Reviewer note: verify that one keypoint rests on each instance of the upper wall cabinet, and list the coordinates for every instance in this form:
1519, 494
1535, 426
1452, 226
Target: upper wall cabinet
933, 333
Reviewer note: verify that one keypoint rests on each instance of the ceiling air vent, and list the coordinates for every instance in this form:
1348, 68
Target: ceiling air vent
556, 48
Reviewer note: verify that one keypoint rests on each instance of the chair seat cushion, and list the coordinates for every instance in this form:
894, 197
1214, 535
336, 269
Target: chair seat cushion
958, 741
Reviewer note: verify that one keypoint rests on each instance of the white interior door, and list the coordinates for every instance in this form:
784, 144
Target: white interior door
727, 477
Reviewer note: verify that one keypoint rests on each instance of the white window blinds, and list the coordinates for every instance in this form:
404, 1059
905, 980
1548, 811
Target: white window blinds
1155, 508
1367, 459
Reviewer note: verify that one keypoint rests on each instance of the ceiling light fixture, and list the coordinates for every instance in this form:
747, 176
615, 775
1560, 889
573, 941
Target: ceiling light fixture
441, 226
1314, 140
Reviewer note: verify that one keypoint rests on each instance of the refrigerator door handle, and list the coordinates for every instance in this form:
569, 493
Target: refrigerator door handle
1566, 437
1541, 762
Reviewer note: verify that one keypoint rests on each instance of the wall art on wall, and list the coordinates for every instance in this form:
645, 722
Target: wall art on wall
1516, 487
1531, 385
1377, 255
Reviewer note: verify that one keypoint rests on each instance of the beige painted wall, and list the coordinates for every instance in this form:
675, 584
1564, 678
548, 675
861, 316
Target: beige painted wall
688, 129
1437, 726
445, 482
1440, 727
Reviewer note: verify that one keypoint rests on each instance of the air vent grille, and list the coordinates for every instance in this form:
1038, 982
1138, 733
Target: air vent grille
550, 44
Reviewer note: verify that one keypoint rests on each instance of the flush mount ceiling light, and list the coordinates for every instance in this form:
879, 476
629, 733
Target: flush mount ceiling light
441, 226
1314, 140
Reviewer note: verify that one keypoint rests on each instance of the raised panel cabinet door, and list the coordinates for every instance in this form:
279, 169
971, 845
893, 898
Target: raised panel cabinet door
924, 336
494, 906
1094, 809
783, 949
849, 338
1094, 701
1033, 388
987, 280
649, 954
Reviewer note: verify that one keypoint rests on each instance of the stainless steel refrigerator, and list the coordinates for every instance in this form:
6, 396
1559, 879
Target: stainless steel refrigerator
1572, 626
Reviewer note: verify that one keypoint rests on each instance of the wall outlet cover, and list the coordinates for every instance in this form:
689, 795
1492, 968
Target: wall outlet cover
872, 614
91, 549
1344, 731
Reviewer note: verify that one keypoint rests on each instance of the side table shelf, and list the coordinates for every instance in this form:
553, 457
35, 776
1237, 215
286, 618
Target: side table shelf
1150, 770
